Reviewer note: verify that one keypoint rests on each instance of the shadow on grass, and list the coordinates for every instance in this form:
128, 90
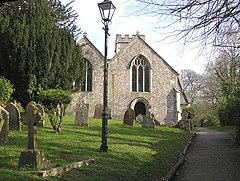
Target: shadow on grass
135, 153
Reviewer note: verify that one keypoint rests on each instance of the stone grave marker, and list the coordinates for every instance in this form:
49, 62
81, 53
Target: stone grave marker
184, 122
40, 121
129, 117
39, 117
139, 118
14, 117
32, 157
148, 121
4, 119
81, 117
98, 111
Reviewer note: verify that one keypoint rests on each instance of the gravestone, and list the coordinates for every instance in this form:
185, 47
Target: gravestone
4, 119
40, 121
148, 121
39, 117
139, 118
98, 111
129, 117
14, 117
32, 157
81, 117
184, 122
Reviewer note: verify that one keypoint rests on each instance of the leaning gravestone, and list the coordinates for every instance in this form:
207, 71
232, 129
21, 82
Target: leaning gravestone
14, 117
32, 157
81, 117
40, 121
98, 111
4, 119
129, 117
148, 121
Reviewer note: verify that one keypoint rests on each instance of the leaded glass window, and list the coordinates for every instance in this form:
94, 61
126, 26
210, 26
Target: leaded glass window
87, 85
140, 69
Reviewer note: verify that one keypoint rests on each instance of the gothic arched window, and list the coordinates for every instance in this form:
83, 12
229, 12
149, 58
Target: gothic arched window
87, 85
140, 71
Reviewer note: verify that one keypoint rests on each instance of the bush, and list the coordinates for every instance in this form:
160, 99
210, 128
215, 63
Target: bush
210, 120
53, 97
191, 111
6, 90
55, 100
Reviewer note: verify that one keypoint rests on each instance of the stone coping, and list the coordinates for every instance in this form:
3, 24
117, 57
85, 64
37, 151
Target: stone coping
173, 170
62, 170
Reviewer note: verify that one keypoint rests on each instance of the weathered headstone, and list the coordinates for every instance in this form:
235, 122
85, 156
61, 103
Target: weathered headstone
184, 123
41, 118
32, 158
4, 119
14, 117
129, 117
81, 117
148, 121
139, 118
98, 111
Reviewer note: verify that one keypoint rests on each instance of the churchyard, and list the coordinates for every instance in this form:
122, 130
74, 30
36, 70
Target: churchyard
135, 153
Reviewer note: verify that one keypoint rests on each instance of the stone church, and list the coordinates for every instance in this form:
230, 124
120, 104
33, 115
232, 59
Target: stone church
138, 78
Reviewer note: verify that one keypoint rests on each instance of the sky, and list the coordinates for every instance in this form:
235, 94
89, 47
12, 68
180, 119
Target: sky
89, 20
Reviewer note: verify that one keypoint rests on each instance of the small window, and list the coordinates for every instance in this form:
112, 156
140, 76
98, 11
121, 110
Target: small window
87, 85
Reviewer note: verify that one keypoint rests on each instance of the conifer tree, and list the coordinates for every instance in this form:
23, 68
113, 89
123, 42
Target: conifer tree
38, 48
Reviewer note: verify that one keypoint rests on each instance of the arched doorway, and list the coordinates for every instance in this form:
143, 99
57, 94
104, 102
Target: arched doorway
139, 108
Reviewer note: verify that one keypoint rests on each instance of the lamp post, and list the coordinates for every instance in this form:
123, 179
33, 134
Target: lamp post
107, 10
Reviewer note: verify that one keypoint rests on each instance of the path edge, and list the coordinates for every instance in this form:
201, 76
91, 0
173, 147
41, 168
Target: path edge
174, 169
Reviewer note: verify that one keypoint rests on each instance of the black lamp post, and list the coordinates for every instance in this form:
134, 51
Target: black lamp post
107, 10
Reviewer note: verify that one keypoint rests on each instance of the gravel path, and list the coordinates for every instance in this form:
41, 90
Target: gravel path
212, 156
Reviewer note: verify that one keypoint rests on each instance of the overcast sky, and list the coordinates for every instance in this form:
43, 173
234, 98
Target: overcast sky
89, 21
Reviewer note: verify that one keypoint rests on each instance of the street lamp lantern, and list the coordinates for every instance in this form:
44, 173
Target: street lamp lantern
107, 10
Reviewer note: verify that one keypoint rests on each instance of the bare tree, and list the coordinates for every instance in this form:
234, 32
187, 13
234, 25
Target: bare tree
192, 83
204, 21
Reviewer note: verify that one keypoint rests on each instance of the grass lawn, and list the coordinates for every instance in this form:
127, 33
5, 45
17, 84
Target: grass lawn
135, 153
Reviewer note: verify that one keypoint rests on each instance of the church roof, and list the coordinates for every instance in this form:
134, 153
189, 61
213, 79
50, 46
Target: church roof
141, 38
88, 42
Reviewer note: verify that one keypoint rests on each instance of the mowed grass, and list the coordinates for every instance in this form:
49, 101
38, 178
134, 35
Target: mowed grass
135, 153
